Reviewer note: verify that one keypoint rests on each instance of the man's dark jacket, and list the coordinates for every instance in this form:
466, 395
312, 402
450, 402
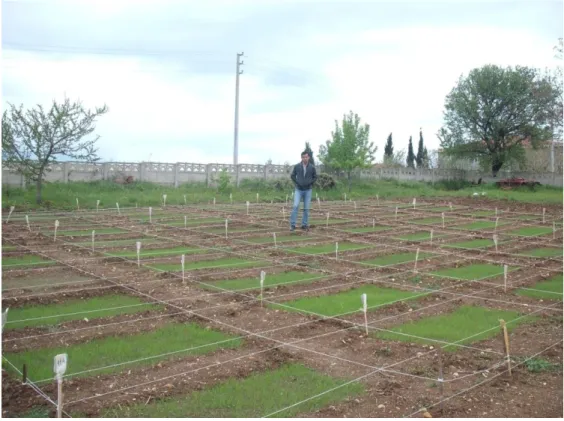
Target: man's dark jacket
304, 182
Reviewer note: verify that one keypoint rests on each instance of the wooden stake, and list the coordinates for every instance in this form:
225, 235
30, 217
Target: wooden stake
441, 377
504, 278
364, 300
274, 236
97, 205
553, 230
443, 216
262, 276
416, 259
27, 222
543, 215
59, 397
506, 340
431, 237
336, 250
396, 213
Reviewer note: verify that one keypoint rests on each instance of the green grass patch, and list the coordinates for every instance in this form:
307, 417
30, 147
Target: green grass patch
279, 239
348, 301
395, 259
432, 221
531, 231
550, 289
92, 308
229, 230
319, 222
472, 272
270, 280
10, 262
480, 225
419, 236
193, 222
472, 244
464, 322
543, 252
232, 263
181, 337
252, 397
9, 248
368, 229
482, 213
157, 252
326, 248
118, 243
84, 233
442, 208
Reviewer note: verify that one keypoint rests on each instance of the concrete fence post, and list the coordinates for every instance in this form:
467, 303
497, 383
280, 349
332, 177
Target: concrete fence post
105, 171
237, 174
209, 175
176, 175
265, 172
141, 171
65, 172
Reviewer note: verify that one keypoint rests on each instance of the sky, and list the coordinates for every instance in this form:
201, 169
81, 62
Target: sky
166, 68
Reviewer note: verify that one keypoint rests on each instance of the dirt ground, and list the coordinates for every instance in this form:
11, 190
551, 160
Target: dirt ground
400, 378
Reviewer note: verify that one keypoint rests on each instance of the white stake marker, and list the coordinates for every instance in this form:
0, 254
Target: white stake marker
60, 367
543, 215
431, 237
316, 195
182, 261
10, 214
150, 215
496, 221
117, 206
354, 206
414, 202
262, 276
77, 206
185, 221
248, 207
373, 222
226, 226
327, 221
443, 216
504, 278
164, 200
56, 227
274, 236
184, 199
231, 198
496, 212
283, 213
416, 259
257, 197
97, 204
286, 199
5, 318
450, 205
365, 309
495, 241
138, 245
336, 250
553, 230
396, 213
93, 237
345, 197
214, 202
27, 222
319, 203
377, 200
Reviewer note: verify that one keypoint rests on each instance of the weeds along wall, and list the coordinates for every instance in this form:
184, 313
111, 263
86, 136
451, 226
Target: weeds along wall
181, 172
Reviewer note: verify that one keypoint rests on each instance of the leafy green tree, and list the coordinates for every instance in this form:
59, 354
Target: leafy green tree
349, 147
310, 152
410, 155
491, 113
389, 148
420, 151
33, 139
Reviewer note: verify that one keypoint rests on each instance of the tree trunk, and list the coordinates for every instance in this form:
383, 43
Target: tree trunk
349, 177
496, 166
39, 186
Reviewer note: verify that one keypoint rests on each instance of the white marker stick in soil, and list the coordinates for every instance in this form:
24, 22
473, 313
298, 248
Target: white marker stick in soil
450, 205
377, 200
138, 245
27, 222
117, 206
316, 195
226, 226
495, 241
60, 367
93, 238
443, 217
4, 318
345, 197
185, 221
164, 200
283, 213
416, 259
97, 204
77, 205
262, 277
496, 222
182, 261
431, 235
214, 202
354, 206
327, 221
336, 250
365, 309
505, 278
496, 212
231, 198
257, 197
248, 207
319, 203
184, 199
373, 222
414, 202
396, 213
553, 230
150, 215
543, 215
10, 213
56, 227
274, 237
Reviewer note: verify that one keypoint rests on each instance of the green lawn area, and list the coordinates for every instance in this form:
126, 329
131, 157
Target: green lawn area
182, 338
255, 396
326, 248
231, 262
33, 260
531, 231
348, 301
472, 244
91, 308
368, 229
279, 239
432, 221
270, 280
9, 248
480, 225
395, 259
551, 289
84, 233
157, 252
419, 236
324, 221
483, 213
464, 322
473, 272
118, 243
543, 252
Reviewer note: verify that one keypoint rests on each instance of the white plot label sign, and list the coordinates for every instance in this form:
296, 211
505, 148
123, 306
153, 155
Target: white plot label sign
60, 365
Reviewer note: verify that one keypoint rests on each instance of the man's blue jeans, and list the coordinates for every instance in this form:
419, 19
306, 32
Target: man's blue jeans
298, 195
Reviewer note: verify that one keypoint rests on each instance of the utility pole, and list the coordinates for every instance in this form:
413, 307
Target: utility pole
236, 128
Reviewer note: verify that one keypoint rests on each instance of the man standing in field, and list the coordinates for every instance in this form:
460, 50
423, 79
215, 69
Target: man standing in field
303, 176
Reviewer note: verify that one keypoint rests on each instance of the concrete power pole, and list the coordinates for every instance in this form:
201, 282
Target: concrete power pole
236, 128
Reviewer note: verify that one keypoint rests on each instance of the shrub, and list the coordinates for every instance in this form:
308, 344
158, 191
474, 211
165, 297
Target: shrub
325, 182
224, 182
